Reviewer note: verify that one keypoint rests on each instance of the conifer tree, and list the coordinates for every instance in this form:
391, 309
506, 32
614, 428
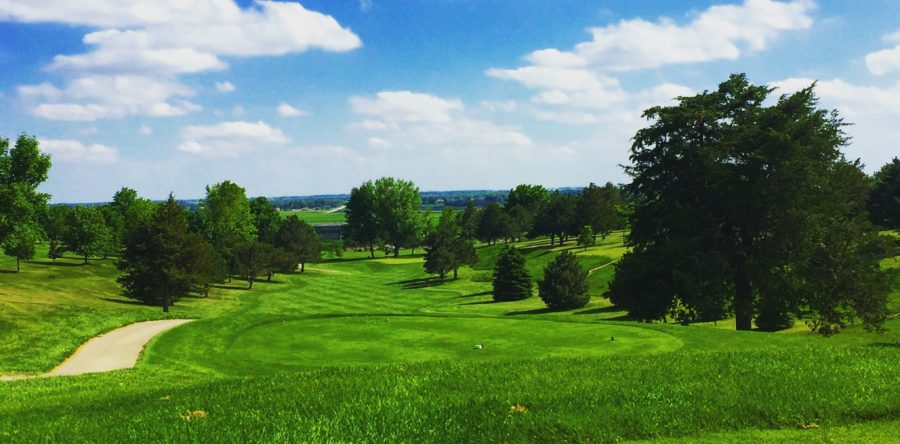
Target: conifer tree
564, 285
511, 279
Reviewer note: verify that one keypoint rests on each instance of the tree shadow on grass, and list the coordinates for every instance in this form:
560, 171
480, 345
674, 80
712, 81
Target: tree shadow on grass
410, 284
885, 344
530, 312
607, 309
124, 301
230, 287
472, 295
59, 264
8, 271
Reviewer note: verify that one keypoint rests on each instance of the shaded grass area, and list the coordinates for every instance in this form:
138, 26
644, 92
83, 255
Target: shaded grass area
683, 394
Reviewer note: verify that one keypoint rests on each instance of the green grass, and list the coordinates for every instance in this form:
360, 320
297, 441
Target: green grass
317, 216
375, 350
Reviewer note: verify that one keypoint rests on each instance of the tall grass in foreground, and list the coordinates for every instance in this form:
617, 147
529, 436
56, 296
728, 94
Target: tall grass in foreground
602, 399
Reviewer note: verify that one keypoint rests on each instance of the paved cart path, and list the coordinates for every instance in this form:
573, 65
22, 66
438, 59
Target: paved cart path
114, 350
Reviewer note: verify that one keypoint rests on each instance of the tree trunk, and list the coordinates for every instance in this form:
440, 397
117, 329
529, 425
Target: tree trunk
371, 251
302, 267
17, 266
743, 298
269, 277
397, 251
85, 260
455, 274
166, 303
250, 281
552, 240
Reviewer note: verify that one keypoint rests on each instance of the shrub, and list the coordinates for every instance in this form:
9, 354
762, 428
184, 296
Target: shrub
511, 280
565, 283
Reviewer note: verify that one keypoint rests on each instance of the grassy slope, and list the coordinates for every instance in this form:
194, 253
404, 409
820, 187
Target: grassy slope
251, 365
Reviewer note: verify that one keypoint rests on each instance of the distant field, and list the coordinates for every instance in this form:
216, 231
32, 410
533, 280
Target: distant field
317, 217
373, 349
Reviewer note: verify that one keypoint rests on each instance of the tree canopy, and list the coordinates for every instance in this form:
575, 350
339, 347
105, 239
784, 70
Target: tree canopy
884, 202
748, 208
511, 281
22, 169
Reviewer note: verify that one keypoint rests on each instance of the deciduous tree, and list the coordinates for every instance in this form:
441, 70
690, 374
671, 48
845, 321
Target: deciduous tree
748, 206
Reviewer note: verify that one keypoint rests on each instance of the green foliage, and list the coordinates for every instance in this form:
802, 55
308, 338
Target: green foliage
586, 237
126, 211
398, 212
226, 219
22, 170
266, 218
511, 281
751, 207
86, 232
556, 218
20, 244
362, 223
447, 248
468, 221
492, 224
564, 285
162, 261
300, 241
884, 202
252, 259
596, 207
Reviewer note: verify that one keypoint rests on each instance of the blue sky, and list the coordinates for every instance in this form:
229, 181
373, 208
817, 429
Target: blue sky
314, 97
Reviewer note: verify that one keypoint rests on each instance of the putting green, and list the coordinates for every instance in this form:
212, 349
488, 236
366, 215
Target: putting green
360, 340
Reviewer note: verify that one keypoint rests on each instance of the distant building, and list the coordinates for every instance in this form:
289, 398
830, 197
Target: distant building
330, 231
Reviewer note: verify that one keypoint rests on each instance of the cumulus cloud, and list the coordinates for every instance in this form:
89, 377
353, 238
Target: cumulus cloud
286, 110
73, 151
229, 139
720, 32
414, 119
503, 106
579, 79
885, 61
225, 87
161, 39
95, 97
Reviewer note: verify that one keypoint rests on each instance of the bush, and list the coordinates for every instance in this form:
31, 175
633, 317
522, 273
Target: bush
511, 280
565, 283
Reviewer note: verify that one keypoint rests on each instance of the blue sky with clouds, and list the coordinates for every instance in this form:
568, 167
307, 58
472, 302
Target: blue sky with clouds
291, 98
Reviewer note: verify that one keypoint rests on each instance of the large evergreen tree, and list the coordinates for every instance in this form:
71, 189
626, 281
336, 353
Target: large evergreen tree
511, 279
564, 285
159, 260
748, 207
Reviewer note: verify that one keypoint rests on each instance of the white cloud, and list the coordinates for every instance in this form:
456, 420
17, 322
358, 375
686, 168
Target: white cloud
224, 87
720, 32
413, 119
872, 111
73, 151
95, 97
406, 106
145, 130
160, 39
885, 61
286, 110
573, 78
229, 139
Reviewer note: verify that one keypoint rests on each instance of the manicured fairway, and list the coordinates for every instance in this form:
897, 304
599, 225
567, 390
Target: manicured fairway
356, 340
375, 350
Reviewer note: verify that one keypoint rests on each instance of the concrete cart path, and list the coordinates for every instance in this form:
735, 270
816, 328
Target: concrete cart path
114, 350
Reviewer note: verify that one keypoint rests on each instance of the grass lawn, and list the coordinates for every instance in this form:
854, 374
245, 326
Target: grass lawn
374, 350
317, 216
